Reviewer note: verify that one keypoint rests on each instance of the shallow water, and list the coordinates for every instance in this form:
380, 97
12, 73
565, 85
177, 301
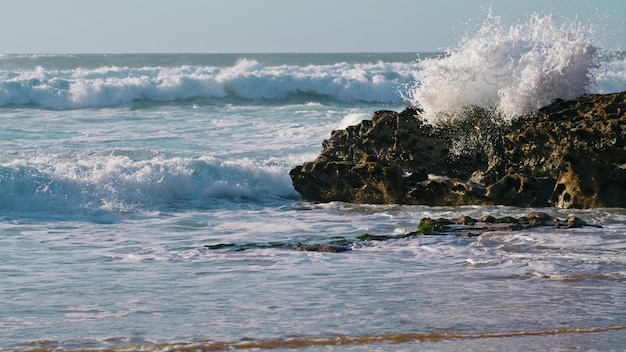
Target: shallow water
116, 172
150, 281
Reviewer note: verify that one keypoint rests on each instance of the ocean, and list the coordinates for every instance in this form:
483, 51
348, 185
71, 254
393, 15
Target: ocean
121, 175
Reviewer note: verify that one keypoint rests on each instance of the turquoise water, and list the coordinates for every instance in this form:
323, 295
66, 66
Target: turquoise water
117, 170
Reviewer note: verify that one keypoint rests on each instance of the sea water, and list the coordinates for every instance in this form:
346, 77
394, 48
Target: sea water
116, 172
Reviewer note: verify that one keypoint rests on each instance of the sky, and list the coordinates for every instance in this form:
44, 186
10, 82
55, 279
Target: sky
253, 26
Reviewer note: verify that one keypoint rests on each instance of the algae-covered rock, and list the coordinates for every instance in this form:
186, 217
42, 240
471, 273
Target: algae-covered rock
464, 226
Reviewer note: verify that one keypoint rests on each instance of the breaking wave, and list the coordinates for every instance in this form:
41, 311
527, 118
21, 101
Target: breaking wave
122, 181
109, 86
515, 70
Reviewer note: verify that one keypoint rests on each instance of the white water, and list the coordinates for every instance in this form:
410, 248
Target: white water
516, 70
247, 79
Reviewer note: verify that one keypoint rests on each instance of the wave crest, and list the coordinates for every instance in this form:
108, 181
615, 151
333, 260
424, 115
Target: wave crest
246, 80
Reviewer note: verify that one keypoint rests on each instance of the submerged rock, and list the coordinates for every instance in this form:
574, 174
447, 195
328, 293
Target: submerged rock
571, 154
469, 227
465, 226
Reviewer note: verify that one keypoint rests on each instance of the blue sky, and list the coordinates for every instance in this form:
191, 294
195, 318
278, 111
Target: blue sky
240, 26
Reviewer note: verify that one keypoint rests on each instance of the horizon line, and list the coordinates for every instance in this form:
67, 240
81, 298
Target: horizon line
226, 53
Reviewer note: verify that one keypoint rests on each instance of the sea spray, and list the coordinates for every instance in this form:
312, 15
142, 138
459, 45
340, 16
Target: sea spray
515, 70
610, 77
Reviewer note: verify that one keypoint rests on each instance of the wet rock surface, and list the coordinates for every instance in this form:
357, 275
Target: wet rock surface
464, 226
571, 154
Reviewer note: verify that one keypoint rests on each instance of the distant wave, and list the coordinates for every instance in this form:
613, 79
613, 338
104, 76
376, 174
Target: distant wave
136, 180
516, 69
112, 86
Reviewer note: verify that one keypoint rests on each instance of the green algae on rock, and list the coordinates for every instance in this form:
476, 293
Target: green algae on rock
465, 226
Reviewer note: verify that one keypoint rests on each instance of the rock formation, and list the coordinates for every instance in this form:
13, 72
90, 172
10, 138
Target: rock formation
464, 226
571, 154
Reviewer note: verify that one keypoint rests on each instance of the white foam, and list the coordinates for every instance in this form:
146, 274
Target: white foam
119, 183
516, 70
352, 118
247, 79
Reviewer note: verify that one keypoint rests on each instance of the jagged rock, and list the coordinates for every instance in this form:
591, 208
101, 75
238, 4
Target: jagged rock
571, 154
365, 182
521, 190
581, 144
441, 192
